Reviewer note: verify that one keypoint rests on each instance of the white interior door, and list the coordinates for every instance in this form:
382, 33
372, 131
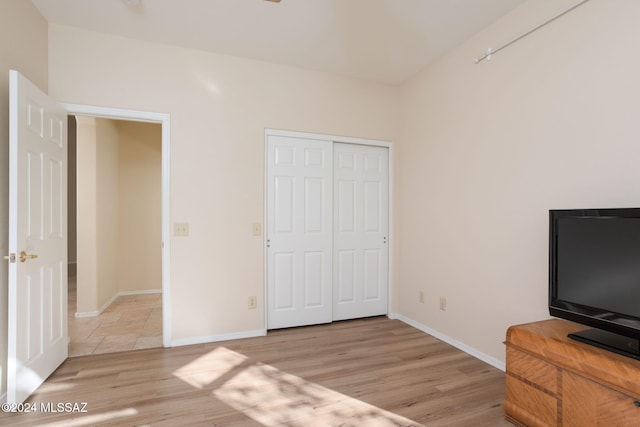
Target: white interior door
361, 227
37, 333
299, 231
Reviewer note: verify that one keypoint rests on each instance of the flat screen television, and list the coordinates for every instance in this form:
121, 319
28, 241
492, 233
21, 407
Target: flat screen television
594, 275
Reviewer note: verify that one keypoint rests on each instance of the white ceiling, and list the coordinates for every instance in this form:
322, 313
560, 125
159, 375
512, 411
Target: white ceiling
387, 41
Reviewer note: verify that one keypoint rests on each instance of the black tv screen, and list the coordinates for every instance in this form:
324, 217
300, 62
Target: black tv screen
594, 274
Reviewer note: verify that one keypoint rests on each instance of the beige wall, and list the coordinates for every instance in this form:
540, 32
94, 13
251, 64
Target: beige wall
97, 212
107, 200
488, 149
219, 107
86, 246
23, 47
139, 206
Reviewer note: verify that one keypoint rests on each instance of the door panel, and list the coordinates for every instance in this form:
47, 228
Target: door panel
283, 264
372, 270
37, 303
313, 279
53, 204
299, 229
361, 181
283, 209
346, 205
314, 211
345, 265
372, 206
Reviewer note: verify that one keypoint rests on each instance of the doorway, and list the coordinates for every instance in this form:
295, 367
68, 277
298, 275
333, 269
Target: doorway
115, 283
157, 297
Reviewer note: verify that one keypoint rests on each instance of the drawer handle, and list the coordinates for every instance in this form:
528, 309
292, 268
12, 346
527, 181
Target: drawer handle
637, 403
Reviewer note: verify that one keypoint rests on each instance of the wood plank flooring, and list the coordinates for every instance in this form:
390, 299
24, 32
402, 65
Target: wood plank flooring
367, 372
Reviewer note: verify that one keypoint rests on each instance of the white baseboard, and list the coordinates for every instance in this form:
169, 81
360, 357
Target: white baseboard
99, 311
79, 314
112, 299
457, 344
217, 338
141, 292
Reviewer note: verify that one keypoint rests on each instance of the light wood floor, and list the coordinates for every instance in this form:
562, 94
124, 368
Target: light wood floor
131, 322
368, 372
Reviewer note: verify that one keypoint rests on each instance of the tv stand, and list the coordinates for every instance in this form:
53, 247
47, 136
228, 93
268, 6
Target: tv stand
609, 341
552, 380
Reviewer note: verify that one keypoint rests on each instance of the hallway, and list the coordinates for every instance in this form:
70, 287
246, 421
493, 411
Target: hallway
131, 322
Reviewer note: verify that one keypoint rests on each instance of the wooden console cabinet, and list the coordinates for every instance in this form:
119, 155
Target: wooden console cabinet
552, 380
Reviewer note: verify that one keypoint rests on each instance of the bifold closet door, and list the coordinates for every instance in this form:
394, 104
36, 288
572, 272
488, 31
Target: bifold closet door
361, 227
299, 231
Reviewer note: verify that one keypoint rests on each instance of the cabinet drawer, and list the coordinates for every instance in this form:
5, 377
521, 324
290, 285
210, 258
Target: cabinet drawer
535, 370
525, 401
585, 404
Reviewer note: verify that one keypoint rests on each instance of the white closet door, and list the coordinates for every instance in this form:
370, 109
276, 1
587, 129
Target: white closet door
299, 231
361, 227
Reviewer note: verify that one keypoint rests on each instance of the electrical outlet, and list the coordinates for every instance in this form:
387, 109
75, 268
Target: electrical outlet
443, 303
421, 297
256, 229
253, 302
181, 229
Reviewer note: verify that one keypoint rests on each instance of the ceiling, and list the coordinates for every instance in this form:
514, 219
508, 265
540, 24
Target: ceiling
386, 41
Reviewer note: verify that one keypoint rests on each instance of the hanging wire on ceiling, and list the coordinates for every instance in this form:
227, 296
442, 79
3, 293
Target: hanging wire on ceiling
491, 52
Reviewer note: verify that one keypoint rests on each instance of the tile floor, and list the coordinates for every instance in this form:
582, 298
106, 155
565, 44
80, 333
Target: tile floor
131, 322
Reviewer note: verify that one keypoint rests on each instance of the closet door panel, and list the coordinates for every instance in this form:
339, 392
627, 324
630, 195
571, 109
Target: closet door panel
361, 217
299, 231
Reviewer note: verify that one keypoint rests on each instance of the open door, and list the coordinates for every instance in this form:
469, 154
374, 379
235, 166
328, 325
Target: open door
37, 335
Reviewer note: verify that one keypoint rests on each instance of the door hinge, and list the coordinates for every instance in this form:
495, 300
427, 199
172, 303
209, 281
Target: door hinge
11, 258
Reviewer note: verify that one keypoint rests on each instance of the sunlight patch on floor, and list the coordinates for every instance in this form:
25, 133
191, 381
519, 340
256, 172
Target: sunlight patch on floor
218, 362
54, 388
275, 398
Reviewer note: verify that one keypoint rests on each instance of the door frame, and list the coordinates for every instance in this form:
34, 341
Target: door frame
165, 121
340, 139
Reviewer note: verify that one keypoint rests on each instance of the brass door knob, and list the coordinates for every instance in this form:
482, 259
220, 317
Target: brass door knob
25, 256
